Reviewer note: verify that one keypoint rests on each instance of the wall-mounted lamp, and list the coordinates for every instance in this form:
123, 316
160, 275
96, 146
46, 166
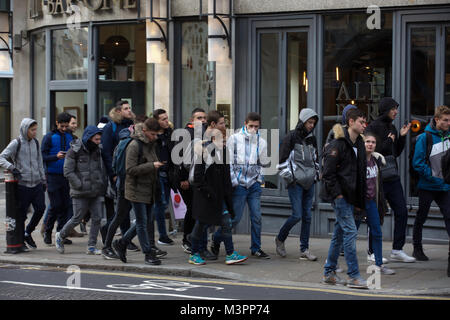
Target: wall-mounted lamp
219, 29
156, 29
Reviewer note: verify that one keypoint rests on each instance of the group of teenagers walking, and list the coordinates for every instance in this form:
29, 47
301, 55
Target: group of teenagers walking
128, 164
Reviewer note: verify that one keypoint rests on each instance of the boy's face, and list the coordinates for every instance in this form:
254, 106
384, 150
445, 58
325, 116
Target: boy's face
199, 117
163, 120
126, 111
252, 126
443, 123
310, 124
73, 125
393, 113
357, 125
62, 126
32, 131
97, 139
150, 134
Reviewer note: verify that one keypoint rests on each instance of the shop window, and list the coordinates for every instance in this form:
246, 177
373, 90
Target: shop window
447, 68
5, 113
70, 54
357, 65
122, 67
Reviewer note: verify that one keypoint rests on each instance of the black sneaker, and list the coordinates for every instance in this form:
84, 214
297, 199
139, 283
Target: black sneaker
261, 254
215, 248
48, 238
206, 255
132, 247
121, 250
165, 241
23, 248
109, 254
67, 241
152, 259
29, 240
158, 252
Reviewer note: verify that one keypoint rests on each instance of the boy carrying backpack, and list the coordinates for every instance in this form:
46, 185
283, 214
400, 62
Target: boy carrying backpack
432, 168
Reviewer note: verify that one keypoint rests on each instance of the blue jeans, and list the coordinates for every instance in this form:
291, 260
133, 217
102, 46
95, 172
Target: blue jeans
199, 234
144, 226
161, 206
373, 221
344, 232
301, 201
252, 196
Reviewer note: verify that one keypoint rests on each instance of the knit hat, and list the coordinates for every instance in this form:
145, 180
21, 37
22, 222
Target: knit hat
344, 112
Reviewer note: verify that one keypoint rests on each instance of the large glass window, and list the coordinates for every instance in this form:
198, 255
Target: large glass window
5, 113
357, 65
447, 68
39, 83
198, 75
122, 67
70, 54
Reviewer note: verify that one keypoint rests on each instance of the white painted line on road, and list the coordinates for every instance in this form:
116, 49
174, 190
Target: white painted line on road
115, 291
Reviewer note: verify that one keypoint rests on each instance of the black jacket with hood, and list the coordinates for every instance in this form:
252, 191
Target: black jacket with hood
344, 172
383, 126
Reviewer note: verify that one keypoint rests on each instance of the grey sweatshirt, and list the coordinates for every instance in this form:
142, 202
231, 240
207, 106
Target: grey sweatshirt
29, 159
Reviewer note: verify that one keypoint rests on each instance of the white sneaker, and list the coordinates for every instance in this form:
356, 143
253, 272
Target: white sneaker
400, 255
371, 258
386, 271
307, 255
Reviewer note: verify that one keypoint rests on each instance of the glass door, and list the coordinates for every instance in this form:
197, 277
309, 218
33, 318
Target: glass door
282, 84
73, 102
428, 80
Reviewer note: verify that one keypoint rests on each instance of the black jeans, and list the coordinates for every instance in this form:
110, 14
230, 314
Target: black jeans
34, 196
442, 199
189, 222
123, 213
393, 192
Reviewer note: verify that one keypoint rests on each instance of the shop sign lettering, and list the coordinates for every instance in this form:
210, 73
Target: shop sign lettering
63, 6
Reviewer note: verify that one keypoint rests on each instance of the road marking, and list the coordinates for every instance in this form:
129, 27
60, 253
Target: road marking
223, 282
114, 291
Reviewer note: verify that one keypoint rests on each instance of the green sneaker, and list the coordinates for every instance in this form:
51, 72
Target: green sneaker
235, 258
196, 259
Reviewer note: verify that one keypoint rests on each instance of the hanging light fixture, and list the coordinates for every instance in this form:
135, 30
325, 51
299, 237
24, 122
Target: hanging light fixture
156, 30
219, 26
5, 36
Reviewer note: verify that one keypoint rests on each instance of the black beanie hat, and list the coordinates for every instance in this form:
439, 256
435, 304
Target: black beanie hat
386, 104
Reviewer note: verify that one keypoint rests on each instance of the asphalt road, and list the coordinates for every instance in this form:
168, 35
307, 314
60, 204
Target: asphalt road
44, 283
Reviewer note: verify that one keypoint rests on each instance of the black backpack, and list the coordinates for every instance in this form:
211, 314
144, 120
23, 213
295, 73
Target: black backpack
429, 143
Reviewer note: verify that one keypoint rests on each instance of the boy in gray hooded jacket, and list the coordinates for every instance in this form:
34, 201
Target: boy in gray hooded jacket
23, 158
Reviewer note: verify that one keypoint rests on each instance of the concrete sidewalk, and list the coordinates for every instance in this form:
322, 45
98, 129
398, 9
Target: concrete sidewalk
420, 278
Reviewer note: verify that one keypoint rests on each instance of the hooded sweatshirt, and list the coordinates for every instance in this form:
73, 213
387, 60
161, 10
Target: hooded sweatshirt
29, 159
431, 178
245, 151
300, 147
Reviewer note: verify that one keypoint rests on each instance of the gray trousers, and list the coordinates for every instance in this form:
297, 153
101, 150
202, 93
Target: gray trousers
80, 207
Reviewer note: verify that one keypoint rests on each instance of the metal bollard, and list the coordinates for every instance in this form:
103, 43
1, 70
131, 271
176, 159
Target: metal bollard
14, 223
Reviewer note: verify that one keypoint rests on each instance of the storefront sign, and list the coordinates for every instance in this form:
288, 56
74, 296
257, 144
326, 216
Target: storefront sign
63, 6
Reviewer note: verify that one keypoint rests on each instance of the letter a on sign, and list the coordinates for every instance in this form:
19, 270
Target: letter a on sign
374, 21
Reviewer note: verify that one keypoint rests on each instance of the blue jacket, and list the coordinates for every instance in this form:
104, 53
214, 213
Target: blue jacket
53, 142
430, 177
110, 139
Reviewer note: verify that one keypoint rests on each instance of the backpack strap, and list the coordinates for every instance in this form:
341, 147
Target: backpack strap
429, 142
114, 127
